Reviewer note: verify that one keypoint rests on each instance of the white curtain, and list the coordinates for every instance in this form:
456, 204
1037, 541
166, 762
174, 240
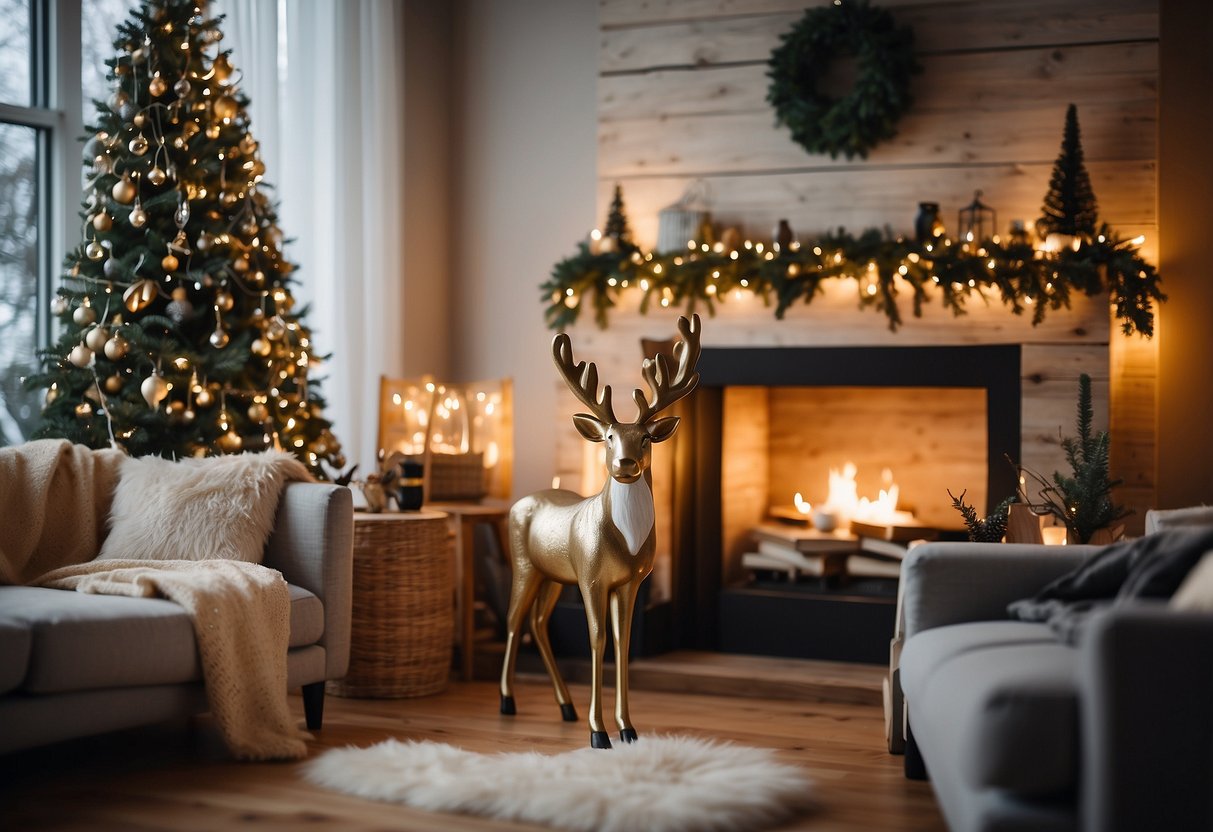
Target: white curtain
336, 79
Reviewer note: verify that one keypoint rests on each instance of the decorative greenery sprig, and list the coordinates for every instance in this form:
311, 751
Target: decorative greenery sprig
883, 267
990, 529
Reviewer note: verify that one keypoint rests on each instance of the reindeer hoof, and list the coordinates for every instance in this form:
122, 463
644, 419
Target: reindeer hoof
507, 705
628, 735
599, 739
568, 713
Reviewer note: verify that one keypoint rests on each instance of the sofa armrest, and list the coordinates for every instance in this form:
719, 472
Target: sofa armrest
312, 546
950, 583
1146, 683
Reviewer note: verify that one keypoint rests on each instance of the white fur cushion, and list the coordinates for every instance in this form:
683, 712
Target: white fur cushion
1196, 592
197, 509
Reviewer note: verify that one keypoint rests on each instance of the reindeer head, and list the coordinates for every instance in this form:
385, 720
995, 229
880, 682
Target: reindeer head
629, 445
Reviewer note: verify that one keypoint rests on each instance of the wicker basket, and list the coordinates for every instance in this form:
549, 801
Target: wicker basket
403, 618
457, 477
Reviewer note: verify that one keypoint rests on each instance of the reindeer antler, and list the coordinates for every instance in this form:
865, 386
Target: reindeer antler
666, 391
582, 379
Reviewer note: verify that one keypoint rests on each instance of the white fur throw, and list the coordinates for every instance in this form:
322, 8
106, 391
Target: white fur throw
197, 509
658, 784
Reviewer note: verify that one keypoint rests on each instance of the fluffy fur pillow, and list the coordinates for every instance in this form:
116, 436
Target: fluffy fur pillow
1196, 592
197, 509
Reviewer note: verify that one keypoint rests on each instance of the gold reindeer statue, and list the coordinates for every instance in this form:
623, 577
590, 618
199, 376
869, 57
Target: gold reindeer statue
605, 543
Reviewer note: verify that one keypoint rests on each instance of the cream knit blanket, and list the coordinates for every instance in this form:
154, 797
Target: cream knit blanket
241, 616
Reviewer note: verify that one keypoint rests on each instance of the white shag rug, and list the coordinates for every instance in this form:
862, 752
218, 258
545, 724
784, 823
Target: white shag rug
661, 784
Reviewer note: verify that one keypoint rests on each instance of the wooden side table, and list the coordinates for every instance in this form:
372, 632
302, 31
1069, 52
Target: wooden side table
465, 517
400, 634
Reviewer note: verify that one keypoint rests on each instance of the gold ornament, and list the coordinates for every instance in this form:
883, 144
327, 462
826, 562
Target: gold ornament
561, 538
224, 300
156, 176
204, 398
124, 190
219, 338
222, 68
93, 394
182, 88
113, 384
225, 107
229, 442
84, 410
212, 130
94, 250
240, 265
275, 329
59, 305
258, 412
103, 222
138, 216
138, 145
115, 348
84, 314
80, 355
169, 263
96, 338
260, 347
140, 119
154, 388
139, 295
157, 86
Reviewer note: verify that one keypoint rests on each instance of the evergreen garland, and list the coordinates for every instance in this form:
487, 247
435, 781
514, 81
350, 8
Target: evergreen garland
990, 529
1070, 206
1082, 500
868, 114
883, 268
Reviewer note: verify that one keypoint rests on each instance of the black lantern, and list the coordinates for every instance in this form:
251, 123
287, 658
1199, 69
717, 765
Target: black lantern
977, 222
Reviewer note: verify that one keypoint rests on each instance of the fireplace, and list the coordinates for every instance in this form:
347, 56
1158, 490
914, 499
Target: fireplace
741, 450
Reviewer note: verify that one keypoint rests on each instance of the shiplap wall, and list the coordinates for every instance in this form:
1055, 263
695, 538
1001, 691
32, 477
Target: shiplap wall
681, 98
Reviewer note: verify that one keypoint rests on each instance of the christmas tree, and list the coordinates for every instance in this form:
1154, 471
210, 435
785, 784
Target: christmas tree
179, 332
617, 221
1070, 203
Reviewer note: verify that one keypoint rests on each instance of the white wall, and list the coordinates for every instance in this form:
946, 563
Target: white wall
523, 169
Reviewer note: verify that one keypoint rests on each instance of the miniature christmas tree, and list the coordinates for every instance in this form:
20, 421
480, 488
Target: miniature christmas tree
1070, 203
617, 223
180, 336
990, 529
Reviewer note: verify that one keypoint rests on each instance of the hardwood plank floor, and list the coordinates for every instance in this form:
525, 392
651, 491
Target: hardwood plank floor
178, 777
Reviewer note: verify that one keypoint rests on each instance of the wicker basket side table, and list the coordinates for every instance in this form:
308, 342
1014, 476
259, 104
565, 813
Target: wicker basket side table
403, 613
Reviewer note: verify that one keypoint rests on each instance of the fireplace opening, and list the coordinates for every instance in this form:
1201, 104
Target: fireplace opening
768, 423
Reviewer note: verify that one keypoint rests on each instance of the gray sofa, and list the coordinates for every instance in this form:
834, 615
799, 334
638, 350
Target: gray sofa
1018, 731
74, 664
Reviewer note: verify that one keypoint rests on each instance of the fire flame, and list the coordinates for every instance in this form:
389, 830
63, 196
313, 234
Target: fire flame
844, 499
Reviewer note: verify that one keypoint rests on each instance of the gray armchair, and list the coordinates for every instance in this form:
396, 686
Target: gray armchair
1019, 731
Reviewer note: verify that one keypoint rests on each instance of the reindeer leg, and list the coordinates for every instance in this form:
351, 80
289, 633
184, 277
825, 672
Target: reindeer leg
623, 600
522, 595
545, 602
594, 597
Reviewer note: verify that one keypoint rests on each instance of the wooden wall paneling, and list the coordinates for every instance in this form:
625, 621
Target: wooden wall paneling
745, 466
1134, 370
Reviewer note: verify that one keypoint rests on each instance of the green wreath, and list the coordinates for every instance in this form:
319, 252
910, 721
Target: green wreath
867, 115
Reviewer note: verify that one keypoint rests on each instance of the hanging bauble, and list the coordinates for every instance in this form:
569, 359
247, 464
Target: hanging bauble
240, 265
59, 305
219, 338
138, 145
225, 107
156, 176
182, 88
258, 314
154, 388
124, 190
222, 68
113, 384
140, 119
112, 268
258, 412
260, 347
204, 398
276, 328
169, 263
117, 100
103, 222
224, 300
138, 216
94, 250
229, 442
115, 348
212, 130
139, 295
84, 410
179, 307
157, 86
182, 215
80, 355
84, 315
203, 242
96, 338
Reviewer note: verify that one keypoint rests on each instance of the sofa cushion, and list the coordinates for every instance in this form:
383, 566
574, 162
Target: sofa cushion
79, 641
999, 703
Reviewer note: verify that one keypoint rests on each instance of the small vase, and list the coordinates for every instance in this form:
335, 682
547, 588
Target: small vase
410, 490
376, 498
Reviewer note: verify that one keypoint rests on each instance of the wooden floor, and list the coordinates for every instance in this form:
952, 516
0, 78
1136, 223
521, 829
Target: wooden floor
179, 778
